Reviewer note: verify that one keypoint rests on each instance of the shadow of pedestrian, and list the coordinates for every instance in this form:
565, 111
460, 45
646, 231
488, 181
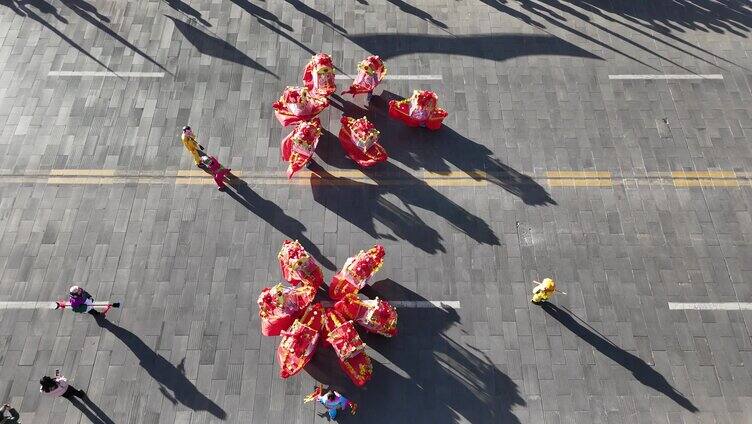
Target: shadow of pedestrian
423, 374
187, 9
643, 372
91, 411
275, 216
172, 380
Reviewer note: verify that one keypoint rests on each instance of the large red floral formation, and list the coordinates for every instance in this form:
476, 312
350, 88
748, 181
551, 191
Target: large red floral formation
360, 140
297, 104
371, 71
419, 110
298, 147
318, 75
289, 312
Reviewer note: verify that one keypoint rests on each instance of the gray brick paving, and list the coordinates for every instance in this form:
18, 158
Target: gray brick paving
526, 86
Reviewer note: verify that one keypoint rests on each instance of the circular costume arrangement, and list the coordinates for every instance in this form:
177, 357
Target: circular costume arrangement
289, 311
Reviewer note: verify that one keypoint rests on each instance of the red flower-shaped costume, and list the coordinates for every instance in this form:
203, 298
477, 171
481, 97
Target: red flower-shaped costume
375, 315
349, 347
371, 71
279, 306
298, 266
296, 104
359, 138
318, 75
299, 342
420, 110
298, 147
356, 272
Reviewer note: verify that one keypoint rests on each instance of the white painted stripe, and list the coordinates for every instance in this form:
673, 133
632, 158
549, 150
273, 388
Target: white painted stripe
420, 304
667, 77
712, 306
27, 305
398, 77
106, 74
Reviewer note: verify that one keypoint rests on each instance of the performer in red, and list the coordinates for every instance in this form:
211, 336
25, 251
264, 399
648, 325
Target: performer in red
375, 315
219, 172
419, 110
356, 272
318, 75
298, 266
371, 71
299, 342
298, 147
349, 347
279, 306
296, 104
359, 138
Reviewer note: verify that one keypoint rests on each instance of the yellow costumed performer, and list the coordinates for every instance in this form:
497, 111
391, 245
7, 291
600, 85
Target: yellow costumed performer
543, 291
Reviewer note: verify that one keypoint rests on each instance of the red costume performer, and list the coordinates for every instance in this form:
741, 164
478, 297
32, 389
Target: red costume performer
318, 75
371, 71
376, 316
356, 272
298, 266
298, 147
296, 104
359, 138
419, 110
299, 342
219, 172
349, 347
279, 306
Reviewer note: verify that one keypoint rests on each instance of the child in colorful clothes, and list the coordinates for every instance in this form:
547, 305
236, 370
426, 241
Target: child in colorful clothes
81, 301
218, 171
333, 402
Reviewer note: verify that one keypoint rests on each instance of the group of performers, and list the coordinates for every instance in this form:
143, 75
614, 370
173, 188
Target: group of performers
289, 311
300, 106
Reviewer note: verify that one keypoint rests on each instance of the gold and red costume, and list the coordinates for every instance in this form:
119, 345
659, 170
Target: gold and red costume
349, 347
359, 138
419, 110
356, 272
371, 71
375, 315
297, 105
279, 306
299, 342
318, 75
298, 147
298, 266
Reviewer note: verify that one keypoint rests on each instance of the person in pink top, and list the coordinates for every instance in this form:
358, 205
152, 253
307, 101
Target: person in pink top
218, 171
58, 386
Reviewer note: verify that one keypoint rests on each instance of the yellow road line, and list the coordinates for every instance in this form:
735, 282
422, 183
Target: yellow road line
83, 172
579, 178
707, 179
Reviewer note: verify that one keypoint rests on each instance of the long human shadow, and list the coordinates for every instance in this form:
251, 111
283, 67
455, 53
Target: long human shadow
424, 374
92, 412
22, 9
315, 14
276, 217
210, 45
419, 13
90, 14
268, 19
498, 47
187, 9
643, 372
174, 385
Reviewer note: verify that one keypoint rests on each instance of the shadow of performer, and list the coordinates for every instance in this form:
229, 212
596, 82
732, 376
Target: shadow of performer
275, 216
91, 411
643, 372
168, 376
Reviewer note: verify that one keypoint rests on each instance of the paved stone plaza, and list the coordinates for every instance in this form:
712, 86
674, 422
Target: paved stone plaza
602, 143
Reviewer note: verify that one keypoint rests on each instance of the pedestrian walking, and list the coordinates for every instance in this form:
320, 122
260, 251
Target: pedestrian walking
218, 171
334, 401
8, 415
81, 301
189, 141
58, 386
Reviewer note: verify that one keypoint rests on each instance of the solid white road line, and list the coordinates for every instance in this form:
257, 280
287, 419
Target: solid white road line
27, 305
667, 77
712, 306
420, 304
398, 77
105, 74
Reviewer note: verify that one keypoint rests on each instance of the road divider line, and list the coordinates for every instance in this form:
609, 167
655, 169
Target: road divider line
418, 304
106, 74
398, 77
14, 305
711, 306
708, 179
579, 179
667, 77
